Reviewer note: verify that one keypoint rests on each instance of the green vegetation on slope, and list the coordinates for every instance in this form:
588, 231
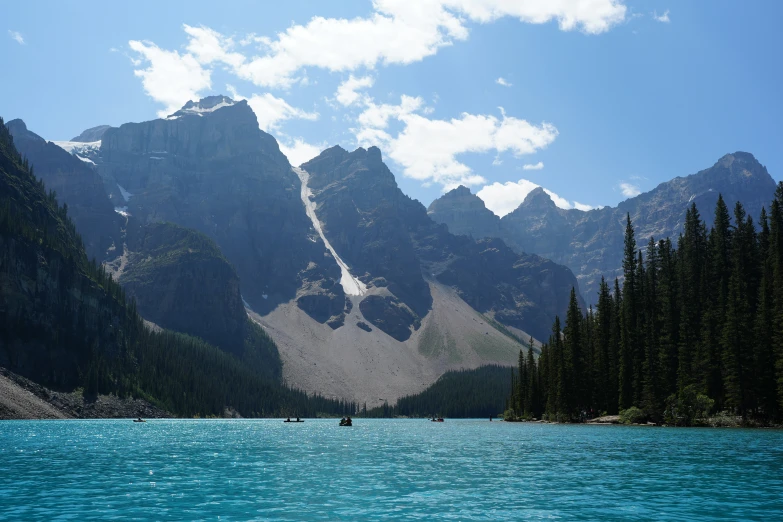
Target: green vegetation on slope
458, 394
181, 282
695, 329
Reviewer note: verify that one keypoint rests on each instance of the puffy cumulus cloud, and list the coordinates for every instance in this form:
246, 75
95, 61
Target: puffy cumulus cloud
427, 149
396, 32
629, 190
270, 110
298, 151
209, 46
502, 81
169, 78
533, 166
503, 198
347, 91
664, 18
17, 37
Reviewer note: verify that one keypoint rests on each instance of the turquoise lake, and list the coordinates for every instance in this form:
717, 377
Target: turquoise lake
384, 470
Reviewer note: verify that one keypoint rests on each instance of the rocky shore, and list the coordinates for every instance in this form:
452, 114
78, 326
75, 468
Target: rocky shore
21, 398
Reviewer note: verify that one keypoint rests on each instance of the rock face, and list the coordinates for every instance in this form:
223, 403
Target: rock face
208, 167
591, 243
182, 282
465, 214
390, 242
78, 185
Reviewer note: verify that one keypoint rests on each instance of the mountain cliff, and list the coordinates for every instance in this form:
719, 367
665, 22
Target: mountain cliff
391, 242
208, 167
591, 243
77, 185
66, 324
365, 295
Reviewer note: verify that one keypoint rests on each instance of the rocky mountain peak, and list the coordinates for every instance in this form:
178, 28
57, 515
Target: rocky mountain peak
92, 134
18, 130
204, 105
460, 196
465, 214
538, 198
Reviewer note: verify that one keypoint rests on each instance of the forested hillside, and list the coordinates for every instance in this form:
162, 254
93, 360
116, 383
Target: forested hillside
67, 324
475, 393
695, 329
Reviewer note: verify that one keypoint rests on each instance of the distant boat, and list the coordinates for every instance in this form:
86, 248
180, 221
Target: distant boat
297, 420
439, 419
346, 422
139, 420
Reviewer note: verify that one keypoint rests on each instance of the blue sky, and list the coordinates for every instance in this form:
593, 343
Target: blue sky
599, 103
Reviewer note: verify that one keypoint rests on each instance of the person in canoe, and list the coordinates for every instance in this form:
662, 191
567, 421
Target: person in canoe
346, 421
139, 420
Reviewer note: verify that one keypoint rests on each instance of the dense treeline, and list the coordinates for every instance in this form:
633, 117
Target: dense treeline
457, 394
66, 323
694, 330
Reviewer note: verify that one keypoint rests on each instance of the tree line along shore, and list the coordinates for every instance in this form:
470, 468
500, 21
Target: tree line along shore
694, 332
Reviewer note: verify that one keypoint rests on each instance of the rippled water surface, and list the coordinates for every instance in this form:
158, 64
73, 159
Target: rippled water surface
384, 469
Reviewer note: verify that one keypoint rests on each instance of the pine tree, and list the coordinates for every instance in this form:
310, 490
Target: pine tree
603, 338
573, 385
628, 338
652, 402
691, 253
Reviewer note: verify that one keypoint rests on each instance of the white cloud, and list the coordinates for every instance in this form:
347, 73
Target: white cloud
664, 18
270, 110
170, 78
427, 149
397, 32
298, 151
346, 92
16, 35
629, 190
533, 166
582, 206
503, 198
503, 82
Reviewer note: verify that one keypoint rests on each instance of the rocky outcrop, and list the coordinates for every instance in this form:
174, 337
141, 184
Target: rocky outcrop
390, 242
92, 134
210, 168
591, 243
390, 315
76, 184
182, 282
361, 209
465, 214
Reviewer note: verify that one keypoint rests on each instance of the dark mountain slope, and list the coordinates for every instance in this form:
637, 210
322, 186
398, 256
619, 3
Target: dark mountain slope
77, 185
66, 324
208, 167
390, 241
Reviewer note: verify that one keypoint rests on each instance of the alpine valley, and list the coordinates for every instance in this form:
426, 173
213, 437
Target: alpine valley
321, 278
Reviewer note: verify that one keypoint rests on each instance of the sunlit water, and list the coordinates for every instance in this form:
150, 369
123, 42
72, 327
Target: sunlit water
384, 469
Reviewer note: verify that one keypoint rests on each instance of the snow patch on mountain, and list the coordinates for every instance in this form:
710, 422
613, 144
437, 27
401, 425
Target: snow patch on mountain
79, 147
125, 194
350, 284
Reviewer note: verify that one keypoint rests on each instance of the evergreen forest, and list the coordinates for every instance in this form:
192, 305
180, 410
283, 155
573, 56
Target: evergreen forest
693, 328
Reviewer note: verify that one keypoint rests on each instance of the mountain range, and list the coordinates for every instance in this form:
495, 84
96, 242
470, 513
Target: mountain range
591, 243
365, 296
